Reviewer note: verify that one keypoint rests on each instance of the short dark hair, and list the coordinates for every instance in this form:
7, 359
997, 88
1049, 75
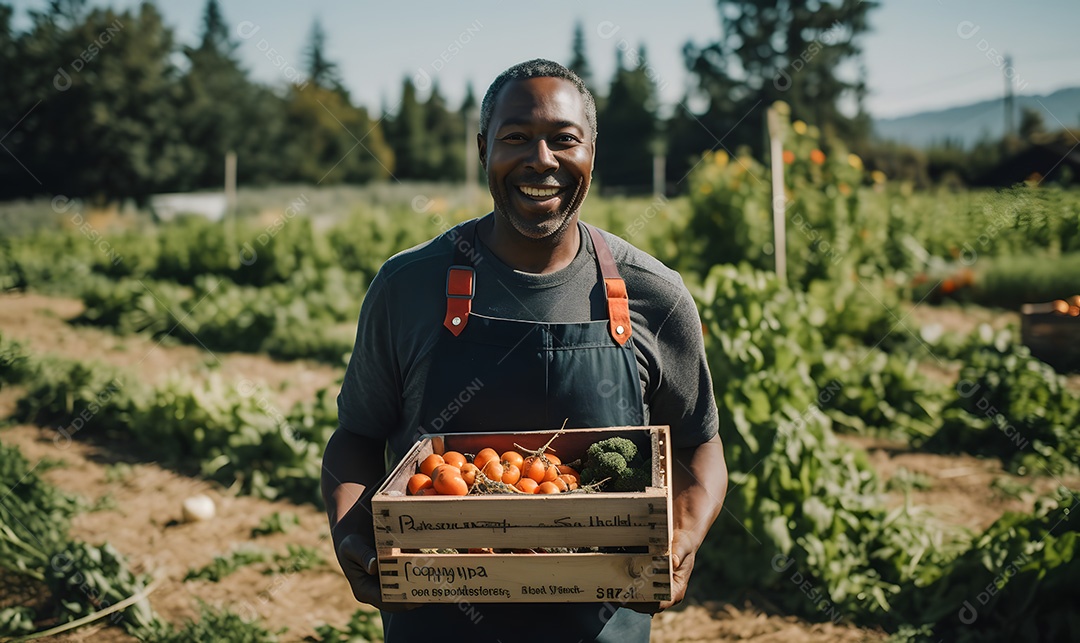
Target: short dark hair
536, 68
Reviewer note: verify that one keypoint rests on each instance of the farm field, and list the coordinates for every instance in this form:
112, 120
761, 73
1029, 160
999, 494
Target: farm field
145, 519
894, 448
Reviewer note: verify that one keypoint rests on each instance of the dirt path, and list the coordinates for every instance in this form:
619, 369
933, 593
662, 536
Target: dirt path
964, 490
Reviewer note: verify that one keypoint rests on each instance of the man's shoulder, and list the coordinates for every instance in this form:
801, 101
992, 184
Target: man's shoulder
433, 254
637, 266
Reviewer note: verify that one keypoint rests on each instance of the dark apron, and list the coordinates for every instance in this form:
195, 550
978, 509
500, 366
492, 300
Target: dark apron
528, 376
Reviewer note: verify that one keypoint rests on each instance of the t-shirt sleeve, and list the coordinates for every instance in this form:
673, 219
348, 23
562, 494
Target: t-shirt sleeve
683, 395
370, 400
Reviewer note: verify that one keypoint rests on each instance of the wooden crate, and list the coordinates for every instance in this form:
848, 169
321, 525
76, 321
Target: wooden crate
640, 522
1052, 336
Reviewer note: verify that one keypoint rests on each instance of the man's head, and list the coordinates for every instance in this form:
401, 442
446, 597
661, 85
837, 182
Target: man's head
537, 141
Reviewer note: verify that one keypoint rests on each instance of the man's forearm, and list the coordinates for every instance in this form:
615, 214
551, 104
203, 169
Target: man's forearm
351, 464
700, 484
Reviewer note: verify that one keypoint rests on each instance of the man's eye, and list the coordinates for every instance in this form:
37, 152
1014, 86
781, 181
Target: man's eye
567, 138
514, 137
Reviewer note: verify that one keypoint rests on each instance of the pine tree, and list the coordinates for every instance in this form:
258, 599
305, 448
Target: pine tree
628, 126
579, 64
320, 69
791, 50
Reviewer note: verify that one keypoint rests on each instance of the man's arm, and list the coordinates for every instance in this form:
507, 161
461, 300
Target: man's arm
698, 490
352, 466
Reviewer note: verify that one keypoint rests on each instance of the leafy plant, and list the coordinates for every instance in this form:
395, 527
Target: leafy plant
35, 548
222, 566
363, 627
1011, 406
1015, 583
215, 625
276, 523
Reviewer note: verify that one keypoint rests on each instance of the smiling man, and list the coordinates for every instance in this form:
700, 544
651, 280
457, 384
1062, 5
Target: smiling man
516, 321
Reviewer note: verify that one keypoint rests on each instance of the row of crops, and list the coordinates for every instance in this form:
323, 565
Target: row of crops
792, 367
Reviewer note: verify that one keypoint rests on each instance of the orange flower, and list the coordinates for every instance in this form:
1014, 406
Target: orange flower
789, 157
817, 157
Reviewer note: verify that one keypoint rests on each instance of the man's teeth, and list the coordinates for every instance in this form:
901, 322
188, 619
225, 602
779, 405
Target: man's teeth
540, 192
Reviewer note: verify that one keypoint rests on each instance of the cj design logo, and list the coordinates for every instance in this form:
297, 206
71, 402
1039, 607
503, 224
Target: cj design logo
967, 29
422, 79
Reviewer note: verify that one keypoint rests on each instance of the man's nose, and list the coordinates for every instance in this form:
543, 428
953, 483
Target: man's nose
542, 160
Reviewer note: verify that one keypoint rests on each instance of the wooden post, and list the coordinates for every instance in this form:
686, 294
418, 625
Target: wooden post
471, 127
230, 182
779, 199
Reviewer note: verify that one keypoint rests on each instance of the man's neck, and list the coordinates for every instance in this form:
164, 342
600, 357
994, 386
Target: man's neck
530, 255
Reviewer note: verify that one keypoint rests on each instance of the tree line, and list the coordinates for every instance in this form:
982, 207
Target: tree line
106, 104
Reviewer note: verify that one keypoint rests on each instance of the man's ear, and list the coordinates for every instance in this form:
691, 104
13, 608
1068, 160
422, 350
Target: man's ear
481, 147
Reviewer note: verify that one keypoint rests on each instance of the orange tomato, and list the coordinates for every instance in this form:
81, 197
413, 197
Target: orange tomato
468, 473
565, 470
511, 474
430, 491
485, 456
547, 488
528, 485
500, 472
553, 459
448, 481
418, 483
535, 468
560, 484
430, 462
551, 473
571, 481
512, 457
454, 458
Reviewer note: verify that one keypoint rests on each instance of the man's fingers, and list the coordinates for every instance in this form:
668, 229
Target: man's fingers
354, 549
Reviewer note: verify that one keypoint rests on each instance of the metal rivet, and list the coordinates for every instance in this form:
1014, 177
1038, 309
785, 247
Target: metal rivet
619, 330
456, 321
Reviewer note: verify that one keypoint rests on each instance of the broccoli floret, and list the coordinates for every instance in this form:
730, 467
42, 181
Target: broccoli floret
627, 449
632, 479
619, 460
604, 465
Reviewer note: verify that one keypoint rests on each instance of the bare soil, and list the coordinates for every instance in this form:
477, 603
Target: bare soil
962, 488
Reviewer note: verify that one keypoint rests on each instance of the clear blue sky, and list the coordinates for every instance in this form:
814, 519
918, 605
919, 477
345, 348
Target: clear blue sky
917, 56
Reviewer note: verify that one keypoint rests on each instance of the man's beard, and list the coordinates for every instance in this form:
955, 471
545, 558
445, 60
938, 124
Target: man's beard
550, 227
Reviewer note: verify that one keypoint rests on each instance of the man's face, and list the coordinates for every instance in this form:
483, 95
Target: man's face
538, 154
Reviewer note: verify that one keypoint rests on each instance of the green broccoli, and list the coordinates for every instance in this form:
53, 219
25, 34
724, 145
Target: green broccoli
632, 479
622, 446
616, 460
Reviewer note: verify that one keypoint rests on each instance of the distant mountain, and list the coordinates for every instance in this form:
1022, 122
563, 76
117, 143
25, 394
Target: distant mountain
972, 122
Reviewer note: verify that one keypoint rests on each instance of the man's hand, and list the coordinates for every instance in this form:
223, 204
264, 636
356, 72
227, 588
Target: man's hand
682, 564
360, 563
352, 467
683, 553
700, 484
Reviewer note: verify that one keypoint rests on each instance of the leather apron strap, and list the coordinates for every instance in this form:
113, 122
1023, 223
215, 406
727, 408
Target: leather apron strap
461, 286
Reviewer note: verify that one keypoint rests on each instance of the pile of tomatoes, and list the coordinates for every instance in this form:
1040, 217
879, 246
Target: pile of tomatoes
451, 474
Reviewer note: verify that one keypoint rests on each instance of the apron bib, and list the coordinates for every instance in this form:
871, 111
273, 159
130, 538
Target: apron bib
528, 376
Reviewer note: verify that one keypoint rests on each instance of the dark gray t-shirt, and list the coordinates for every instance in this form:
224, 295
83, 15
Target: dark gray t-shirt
402, 317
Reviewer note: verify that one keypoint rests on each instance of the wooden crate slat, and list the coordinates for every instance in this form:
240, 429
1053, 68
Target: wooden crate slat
509, 522
515, 578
